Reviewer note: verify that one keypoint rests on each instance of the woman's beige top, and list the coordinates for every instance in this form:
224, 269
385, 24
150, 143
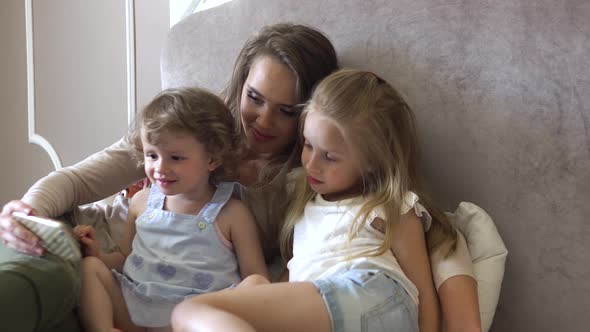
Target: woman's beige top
94, 178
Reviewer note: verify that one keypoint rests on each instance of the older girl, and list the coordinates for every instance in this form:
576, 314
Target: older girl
355, 230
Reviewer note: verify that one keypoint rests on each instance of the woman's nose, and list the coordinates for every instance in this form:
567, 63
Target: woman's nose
264, 119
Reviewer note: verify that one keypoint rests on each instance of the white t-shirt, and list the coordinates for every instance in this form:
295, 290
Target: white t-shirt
321, 248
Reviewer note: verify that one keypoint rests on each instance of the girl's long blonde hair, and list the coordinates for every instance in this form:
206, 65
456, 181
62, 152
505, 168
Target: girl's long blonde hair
380, 127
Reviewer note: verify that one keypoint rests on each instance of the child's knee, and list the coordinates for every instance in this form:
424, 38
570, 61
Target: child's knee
92, 265
185, 311
254, 280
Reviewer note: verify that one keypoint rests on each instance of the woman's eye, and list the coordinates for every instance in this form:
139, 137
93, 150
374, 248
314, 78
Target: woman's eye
254, 98
290, 111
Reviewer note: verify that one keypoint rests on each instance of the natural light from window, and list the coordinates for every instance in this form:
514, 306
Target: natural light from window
179, 9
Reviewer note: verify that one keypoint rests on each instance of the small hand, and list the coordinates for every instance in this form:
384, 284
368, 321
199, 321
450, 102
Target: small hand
16, 236
87, 235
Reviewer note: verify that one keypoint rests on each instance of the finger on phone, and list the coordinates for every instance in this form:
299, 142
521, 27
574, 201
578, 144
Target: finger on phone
21, 246
17, 206
16, 230
24, 234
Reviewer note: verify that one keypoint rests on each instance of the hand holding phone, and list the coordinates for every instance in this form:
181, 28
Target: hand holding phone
55, 236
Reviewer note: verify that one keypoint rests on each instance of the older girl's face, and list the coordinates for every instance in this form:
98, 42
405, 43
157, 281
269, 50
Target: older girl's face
267, 109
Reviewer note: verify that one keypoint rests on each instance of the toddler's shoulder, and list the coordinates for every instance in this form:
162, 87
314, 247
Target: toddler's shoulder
138, 203
235, 209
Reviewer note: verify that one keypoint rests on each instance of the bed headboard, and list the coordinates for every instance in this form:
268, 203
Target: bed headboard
501, 90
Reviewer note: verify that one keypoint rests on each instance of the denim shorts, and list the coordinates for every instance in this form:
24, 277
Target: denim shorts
369, 301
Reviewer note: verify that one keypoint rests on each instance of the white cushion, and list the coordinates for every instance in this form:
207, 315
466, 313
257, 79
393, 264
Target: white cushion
488, 254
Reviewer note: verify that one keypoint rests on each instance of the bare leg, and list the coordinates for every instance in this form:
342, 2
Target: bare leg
295, 306
101, 303
253, 280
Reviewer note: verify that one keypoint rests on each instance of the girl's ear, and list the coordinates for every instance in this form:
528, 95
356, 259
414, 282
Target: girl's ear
214, 162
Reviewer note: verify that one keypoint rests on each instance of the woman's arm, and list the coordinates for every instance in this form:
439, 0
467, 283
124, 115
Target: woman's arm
409, 247
96, 177
92, 179
457, 288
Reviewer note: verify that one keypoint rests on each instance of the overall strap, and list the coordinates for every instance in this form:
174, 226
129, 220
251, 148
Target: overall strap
222, 194
156, 198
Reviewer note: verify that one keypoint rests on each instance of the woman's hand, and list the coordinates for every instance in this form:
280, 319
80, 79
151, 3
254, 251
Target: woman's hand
15, 235
87, 235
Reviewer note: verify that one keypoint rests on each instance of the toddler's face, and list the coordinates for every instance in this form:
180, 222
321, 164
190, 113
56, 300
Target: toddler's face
332, 170
177, 163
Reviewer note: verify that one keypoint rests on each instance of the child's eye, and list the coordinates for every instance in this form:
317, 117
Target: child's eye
151, 156
306, 145
178, 158
329, 157
254, 98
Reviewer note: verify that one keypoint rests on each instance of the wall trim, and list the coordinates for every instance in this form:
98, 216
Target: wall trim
131, 88
34, 137
39, 140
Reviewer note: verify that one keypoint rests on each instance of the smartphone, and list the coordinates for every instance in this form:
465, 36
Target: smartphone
55, 236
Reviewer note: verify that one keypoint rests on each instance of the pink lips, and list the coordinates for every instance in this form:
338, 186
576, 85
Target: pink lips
260, 137
164, 183
313, 180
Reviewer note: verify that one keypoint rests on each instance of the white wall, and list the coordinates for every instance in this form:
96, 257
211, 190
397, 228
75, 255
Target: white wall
80, 80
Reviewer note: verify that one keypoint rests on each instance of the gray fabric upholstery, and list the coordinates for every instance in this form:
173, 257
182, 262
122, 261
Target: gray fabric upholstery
501, 90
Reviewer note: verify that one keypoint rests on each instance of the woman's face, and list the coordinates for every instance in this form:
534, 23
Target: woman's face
267, 107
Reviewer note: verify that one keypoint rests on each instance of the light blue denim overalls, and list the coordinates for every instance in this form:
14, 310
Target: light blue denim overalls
175, 256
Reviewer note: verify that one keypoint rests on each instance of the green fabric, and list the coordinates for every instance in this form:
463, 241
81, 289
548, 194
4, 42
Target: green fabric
37, 294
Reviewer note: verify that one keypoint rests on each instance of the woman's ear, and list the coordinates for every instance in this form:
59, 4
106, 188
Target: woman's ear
214, 162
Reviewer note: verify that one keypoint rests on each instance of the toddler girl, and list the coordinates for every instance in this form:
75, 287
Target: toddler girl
185, 234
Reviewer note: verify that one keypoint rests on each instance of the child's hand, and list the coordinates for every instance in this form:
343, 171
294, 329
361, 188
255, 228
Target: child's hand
87, 236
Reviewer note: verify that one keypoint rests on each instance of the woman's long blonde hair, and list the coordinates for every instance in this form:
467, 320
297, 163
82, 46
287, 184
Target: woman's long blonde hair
380, 127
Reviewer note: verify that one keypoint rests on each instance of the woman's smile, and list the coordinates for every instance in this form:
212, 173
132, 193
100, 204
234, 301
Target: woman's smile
260, 136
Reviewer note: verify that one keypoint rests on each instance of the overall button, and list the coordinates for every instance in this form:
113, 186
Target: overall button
202, 225
151, 215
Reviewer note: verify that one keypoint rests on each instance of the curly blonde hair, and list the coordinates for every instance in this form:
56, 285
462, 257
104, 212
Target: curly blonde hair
196, 112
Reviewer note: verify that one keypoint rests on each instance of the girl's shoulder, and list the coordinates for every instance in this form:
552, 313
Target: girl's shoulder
138, 203
410, 204
234, 209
